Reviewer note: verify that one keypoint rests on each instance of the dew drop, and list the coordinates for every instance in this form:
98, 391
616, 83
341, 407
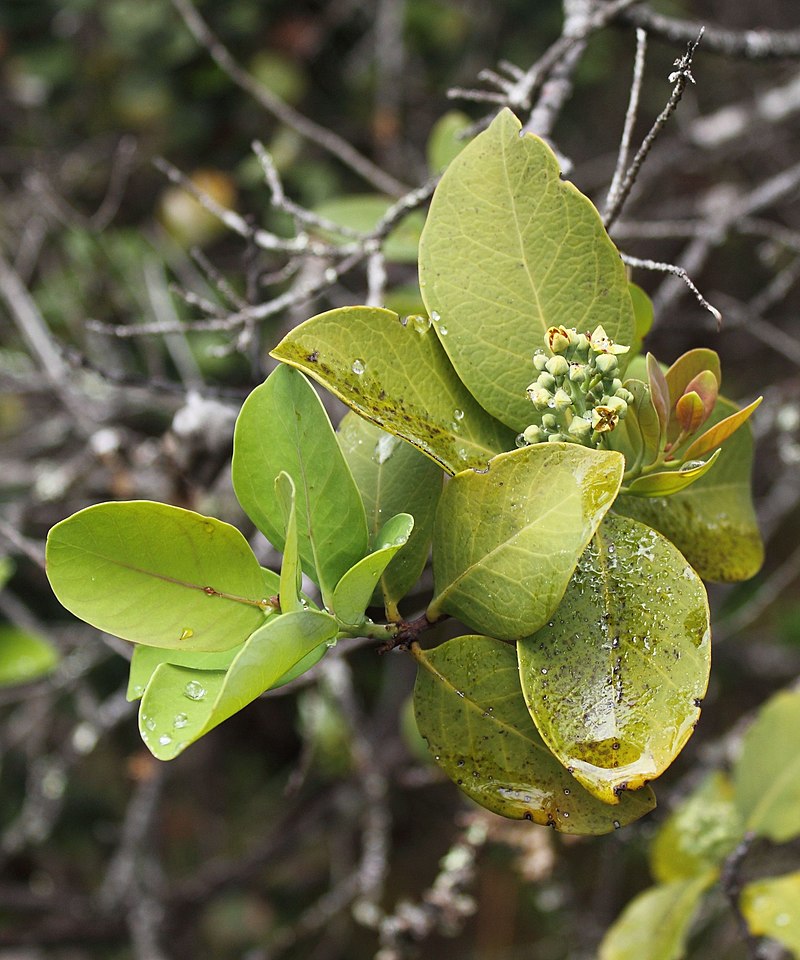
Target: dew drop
462, 454
420, 323
782, 920
458, 414
442, 330
194, 691
616, 824
149, 723
520, 440
164, 739
435, 316
544, 671
358, 367
186, 633
180, 720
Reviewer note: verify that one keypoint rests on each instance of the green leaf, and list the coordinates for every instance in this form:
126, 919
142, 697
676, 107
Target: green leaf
469, 707
24, 656
713, 523
766, 776
393, 477
354, 591
772, 909
7, 568
667, 482
283, 426
506, 540
655, 925
362, 212
613, 681
699, 834
181, 704
291, 577
508, 250
642, 315
146, 660
395, 373
659, 392
638, 436
446, 140
157, 575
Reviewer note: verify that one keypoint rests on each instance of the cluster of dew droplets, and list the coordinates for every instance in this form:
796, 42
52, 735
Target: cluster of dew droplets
358, 367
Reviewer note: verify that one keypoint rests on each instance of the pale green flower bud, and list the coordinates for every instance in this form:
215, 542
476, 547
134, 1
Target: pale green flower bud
533, 434
556, 438
557, 366
549, 422
580, 429
617, 405
616, 384
562, 399
539, 397
540, 361
606, 363
577, 372
547, 381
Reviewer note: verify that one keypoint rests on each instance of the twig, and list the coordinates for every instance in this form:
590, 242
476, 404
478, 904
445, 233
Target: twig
327, 139
676, 272
731, 883
679, 77
758, 44
121, 167
630, 120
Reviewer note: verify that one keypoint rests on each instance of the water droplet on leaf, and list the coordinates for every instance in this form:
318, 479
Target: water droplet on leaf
358, 367
194, 690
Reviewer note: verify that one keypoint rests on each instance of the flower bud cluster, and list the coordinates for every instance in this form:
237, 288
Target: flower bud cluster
578, 395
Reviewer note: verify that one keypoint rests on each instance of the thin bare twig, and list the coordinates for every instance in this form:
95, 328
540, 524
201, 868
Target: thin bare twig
757, 44
630, 120
680, 77
676, 272
327, 139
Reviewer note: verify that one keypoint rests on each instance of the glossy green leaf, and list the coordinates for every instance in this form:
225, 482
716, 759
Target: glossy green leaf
447, 140
720, 432
666, 482
713, 522
24, 656
638, 436
146, 660
659, 392
614, 680
508, 250
362, 212
772, 909
354, 591
766, 776
157, 575
642, 315
283, 426
506, 540
656, 924
469, 707
181, 704
699, 834
395, 373
291, 577
393, 477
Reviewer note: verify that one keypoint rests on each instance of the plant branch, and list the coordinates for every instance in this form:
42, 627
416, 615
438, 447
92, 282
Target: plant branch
680, 77
323, 137
731, 884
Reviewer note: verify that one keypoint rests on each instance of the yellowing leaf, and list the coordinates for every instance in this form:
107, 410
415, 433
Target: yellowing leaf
614, 680
772, 909
394, 372
720, 432
470, 709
